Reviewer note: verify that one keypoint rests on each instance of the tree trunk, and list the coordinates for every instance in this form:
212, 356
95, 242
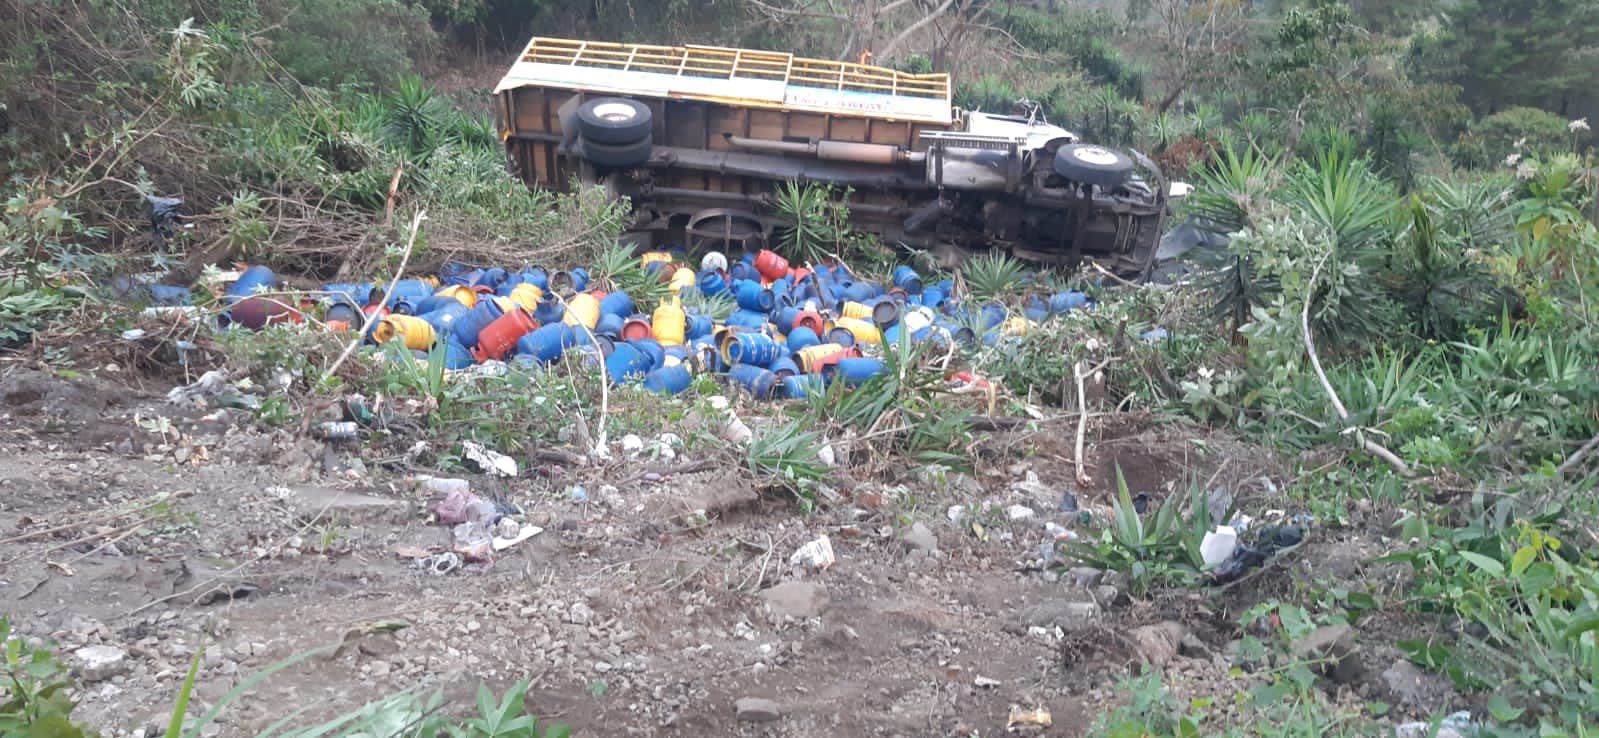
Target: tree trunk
1171, 97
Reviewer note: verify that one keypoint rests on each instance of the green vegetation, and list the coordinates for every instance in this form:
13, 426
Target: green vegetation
1405, 311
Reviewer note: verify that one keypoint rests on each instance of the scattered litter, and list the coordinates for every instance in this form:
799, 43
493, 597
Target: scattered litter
1059, 532
215, 389
461, 506
1260, 540
1218, 545
985, 682
815, 555
1154, 335
1068, 503
442, 485
440, 564
578, 495
336, 430
491, 462
523, 532
632, 444
1021, 720
1456, 725
1019, 512
473, 541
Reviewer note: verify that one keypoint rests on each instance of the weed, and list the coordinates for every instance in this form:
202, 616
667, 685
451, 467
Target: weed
35, 697
1163, 551
787, 456
815, 223
1530, 604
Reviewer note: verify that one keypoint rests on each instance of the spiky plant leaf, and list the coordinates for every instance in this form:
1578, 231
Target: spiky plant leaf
993, 276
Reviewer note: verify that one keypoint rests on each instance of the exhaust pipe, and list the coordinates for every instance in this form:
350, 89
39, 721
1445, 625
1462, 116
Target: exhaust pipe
863, 153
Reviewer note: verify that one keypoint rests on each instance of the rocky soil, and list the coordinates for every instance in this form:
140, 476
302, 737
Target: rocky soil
135, 533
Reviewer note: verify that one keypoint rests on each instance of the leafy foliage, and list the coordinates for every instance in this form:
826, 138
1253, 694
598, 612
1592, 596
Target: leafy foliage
35, 698
1162, 551
1532, 602
993, 276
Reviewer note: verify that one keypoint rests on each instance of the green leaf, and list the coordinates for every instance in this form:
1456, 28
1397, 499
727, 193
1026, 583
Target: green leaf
1523, 558
180, 710
1486, 564
1501, 709
1582, 622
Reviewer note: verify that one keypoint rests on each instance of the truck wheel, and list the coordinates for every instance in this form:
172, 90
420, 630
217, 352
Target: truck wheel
614, 121
623, 156
1095, 165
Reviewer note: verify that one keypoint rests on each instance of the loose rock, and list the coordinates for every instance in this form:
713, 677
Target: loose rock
757, 710
99, 663
921, 538
798, 600
1158, 644
1334, 647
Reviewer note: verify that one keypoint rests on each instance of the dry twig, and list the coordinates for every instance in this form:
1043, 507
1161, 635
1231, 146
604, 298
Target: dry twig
1372, 447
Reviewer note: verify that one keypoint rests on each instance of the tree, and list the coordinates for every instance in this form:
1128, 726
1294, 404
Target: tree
882, 31
1502, 53
1192, 40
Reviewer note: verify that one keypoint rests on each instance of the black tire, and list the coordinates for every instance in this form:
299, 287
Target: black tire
624, 156
1095, 165
614, 121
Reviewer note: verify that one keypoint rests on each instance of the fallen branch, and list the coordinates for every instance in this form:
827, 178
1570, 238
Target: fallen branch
1576, 456
1371, 447
1082, 416
366, 325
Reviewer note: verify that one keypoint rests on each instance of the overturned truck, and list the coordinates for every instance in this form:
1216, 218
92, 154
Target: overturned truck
700, 139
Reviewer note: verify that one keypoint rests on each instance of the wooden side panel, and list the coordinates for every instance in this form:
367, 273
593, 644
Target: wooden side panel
767, 124
723, 120
890, 133
848, 129
807, 126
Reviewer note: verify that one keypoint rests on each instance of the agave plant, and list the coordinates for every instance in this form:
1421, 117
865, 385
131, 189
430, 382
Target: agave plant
1233, 189
414, 116
618, 268
993, 276
1441, 287
812, 226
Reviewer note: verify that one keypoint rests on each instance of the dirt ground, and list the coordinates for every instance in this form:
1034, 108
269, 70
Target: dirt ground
130, 522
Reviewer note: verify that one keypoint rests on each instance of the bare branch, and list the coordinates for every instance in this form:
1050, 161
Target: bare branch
893, 44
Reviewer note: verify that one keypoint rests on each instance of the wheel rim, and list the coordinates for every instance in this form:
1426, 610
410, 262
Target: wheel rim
615, 112
1095, 155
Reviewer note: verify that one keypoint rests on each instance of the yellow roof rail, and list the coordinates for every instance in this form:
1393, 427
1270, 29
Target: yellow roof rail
744, 77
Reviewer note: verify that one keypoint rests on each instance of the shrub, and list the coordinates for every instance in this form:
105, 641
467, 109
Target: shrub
1524, 131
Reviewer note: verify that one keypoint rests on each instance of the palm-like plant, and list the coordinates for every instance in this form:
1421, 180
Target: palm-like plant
812, 226
1233, 189
1441, 287
993, 276
414, 116
618, 268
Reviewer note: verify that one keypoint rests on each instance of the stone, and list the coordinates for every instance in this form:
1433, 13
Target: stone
311, 502
757, 710
1333, 647
1084, 577
1064, 614
1416, 689
921, 538
99, 663
579, 614
1158, 644
799, 600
